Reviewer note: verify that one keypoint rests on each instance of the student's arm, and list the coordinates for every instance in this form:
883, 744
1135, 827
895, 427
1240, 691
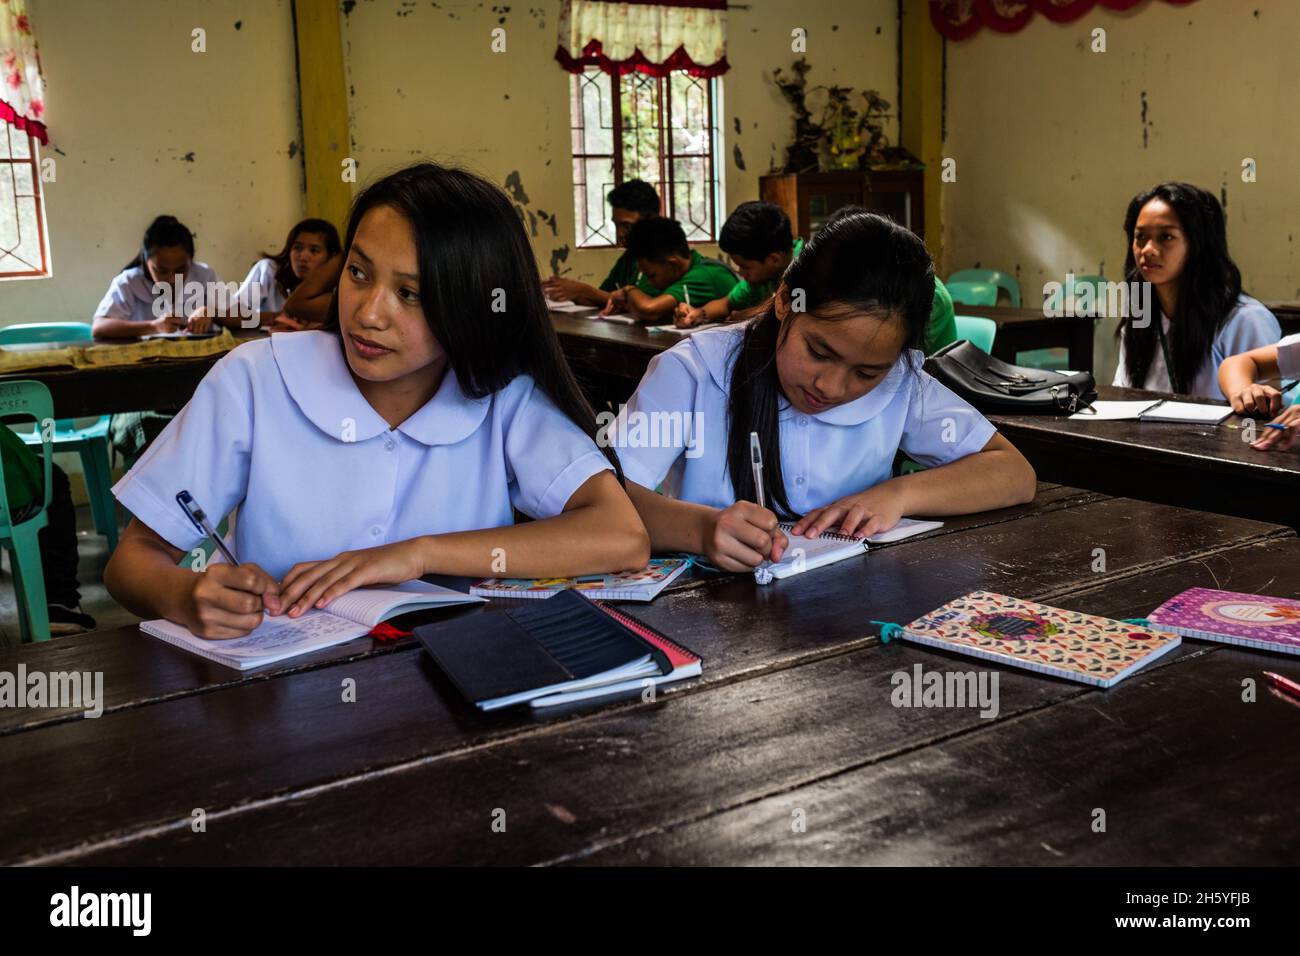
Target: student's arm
648, 308
565, 290
737, 538
597, 531
310, 302
996, 476
719, 310
221, 602
111, 328
1239, 376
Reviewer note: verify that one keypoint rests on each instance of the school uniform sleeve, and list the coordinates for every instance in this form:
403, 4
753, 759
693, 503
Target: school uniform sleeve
549, 457
668, 388
940, 426
1288, 356
260, 278
204, 450
707, 280
116, 303
1251, 326
745, 296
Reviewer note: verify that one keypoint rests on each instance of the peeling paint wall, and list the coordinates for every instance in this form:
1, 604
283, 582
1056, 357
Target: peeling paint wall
140, 125
1052, 140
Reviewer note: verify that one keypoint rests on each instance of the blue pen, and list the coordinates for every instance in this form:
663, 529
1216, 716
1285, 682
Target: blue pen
200, 521
1275, 425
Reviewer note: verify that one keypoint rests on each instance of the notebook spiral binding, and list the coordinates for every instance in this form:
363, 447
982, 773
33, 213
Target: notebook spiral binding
634, 624
788, 525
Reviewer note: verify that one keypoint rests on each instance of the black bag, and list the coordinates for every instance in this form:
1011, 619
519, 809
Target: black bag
994, 386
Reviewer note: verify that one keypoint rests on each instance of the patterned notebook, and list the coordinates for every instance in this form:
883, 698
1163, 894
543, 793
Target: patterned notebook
1069, 644
643, 585
1231, 617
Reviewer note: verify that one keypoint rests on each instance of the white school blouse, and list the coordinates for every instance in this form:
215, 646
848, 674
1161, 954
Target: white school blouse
1288, 357
130, 294
279, 429
269, 298
824, 457
1250, 324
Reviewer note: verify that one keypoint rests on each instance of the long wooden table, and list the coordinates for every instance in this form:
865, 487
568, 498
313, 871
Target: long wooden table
791, 720
1207, 467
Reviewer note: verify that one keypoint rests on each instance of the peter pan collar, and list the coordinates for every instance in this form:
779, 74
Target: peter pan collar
718, 347
315, 373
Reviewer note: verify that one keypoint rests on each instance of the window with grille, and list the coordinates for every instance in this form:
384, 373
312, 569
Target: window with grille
23, 249
663, 130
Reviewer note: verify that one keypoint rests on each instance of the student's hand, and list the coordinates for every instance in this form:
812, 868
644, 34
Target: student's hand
563, 290
168, 323
743, 536
862, 515
227, 602
686, 316
617, 302
200, 321
1277, 439
1256, 399
315, 583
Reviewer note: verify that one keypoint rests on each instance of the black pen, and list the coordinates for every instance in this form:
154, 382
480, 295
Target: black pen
200, 521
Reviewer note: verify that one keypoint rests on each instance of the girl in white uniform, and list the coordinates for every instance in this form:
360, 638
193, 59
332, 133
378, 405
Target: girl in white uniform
267, 287
834, 388
1178, 242
141, 298
395, 444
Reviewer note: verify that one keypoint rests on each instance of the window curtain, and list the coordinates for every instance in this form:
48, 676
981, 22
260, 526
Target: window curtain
958, 19
655, 38
22, 91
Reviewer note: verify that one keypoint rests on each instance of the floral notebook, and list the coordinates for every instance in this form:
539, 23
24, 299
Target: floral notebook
641, 585
1069, 644
1231, 617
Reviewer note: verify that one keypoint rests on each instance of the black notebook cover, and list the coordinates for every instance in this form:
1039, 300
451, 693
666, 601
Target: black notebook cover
540, 644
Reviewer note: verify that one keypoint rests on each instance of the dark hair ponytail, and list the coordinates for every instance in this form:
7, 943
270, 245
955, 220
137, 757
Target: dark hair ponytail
473, 255
1208, 287
162, 232
858, 259
284, 274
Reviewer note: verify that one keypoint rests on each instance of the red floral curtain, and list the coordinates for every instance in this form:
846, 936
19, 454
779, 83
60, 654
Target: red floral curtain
22, 91
958, 19
647, 36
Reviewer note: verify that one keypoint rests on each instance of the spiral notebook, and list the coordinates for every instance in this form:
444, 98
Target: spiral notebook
1232, 617
1019, 633
805, 554
643, 585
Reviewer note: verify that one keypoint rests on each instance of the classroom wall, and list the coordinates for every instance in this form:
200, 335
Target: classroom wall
1052, 140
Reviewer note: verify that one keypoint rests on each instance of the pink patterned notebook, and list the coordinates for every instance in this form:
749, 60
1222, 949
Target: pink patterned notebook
1231, 617
1069, 644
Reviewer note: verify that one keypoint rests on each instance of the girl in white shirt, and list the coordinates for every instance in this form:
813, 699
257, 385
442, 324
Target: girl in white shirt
271, 282
830, 377
141, 299
1178, 242
1241, 375
394, 445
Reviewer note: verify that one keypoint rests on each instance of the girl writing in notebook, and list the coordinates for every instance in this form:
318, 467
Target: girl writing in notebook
1178, 242
393, 445
829, 376
141, 298
1240, 377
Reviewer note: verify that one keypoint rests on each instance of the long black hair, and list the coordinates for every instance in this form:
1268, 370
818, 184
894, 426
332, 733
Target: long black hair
162, 232
285, 277
1208, 287
858, 259
474, 258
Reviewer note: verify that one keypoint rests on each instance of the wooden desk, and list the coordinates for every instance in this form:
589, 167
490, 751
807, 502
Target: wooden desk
1206, 467
794, 703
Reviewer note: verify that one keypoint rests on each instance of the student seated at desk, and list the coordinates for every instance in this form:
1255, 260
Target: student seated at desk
268, 296
676, 273
629, 203
1178, 242
131, 307
833, 394
1239, 377
392, 445
758, 238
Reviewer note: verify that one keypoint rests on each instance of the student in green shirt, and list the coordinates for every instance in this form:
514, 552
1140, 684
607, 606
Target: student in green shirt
676, 272
58, 539
629, 203
758, 238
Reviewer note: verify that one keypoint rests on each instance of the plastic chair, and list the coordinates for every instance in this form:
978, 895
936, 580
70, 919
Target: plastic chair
980, 332
91, 442
1002, 280
20, 538
973, 293
1073, 287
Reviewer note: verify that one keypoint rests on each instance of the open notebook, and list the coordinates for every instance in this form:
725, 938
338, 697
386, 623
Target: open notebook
350, 616
643, 585
805, 554
1069, 644
1232, 617
1197, 413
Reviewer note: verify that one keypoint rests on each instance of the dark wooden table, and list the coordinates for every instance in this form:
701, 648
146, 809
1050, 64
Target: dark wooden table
792, 720
1206, 467
1021, 330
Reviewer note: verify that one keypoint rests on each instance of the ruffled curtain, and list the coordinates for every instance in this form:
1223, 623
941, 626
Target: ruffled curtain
22, 91
958, 19
655, 38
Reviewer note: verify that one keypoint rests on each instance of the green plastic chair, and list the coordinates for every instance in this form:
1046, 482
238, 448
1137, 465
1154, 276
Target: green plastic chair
973, 293
1002, 280
980, 332
20, 538
90, 442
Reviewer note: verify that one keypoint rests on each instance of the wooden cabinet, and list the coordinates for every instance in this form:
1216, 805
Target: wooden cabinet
809, 199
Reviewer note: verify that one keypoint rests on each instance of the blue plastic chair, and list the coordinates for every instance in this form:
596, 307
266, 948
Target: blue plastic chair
91, 442
979, 331
20, 538
973, 293
1002, 280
